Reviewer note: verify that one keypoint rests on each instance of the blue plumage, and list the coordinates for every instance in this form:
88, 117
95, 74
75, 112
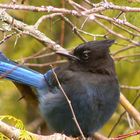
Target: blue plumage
15, 72
88, 79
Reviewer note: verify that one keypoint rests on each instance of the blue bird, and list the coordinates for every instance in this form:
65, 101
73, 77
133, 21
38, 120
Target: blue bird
88, 79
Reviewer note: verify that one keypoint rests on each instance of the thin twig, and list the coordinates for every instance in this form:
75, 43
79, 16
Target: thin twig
133, 61
30, 30
62, 36
116, 34
117, 122
126, 56
124, 49
130, 87
118, 21
124, 136
76, 5
34, 57
74, 28
7, 37
70, 105
130, 109
45, 64
41, 19
88, 2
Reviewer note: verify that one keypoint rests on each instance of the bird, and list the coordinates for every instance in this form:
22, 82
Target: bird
88, 79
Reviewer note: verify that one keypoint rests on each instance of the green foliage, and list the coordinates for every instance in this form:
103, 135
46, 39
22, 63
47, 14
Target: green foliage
24, 135
17, 123
3, 137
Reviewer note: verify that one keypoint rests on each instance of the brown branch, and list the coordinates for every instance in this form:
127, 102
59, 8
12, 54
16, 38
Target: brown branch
74, 28
122, 114
41, 19
39, 9
14, 133
39, 56
85, 12
133, 61
35, 56
124, 136
88, 2
126, 56
116, 34
111, 6
98, 136
124, 49
76, 5
9, 131
118, 21
30, 30
45, 64
101, 7
130, 87
124, 8
126, 30
77, 31
62, 35
7, 37
130, 109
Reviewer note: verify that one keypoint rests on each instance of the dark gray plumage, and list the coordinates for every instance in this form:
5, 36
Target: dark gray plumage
88, 79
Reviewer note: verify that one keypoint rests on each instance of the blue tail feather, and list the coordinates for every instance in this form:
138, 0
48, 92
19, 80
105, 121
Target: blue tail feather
14, 72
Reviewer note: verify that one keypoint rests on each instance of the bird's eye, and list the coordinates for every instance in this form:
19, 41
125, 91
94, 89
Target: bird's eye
85, 54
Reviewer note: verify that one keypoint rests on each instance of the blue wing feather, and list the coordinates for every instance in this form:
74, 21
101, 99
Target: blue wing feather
14, 72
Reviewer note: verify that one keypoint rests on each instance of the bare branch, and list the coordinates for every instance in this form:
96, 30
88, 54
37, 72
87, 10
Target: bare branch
130, 87
124, 49
14, 133
122, 114
118, 21
124, 136
116, 34
29, 30
39, 9
74, 28
130, 109
7, 37
45, 64
41, 19
76, 5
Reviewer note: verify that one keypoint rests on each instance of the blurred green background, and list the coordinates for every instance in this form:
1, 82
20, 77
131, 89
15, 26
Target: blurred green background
20, 46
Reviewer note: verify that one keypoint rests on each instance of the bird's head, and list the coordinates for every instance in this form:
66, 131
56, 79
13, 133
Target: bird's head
91, 56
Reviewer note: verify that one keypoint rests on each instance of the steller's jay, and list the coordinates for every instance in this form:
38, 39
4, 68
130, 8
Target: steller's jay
88, 79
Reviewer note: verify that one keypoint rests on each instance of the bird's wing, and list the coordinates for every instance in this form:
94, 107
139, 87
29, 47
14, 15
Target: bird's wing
20, 74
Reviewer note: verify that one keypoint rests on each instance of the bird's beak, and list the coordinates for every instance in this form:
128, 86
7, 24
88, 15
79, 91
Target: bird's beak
67, 54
